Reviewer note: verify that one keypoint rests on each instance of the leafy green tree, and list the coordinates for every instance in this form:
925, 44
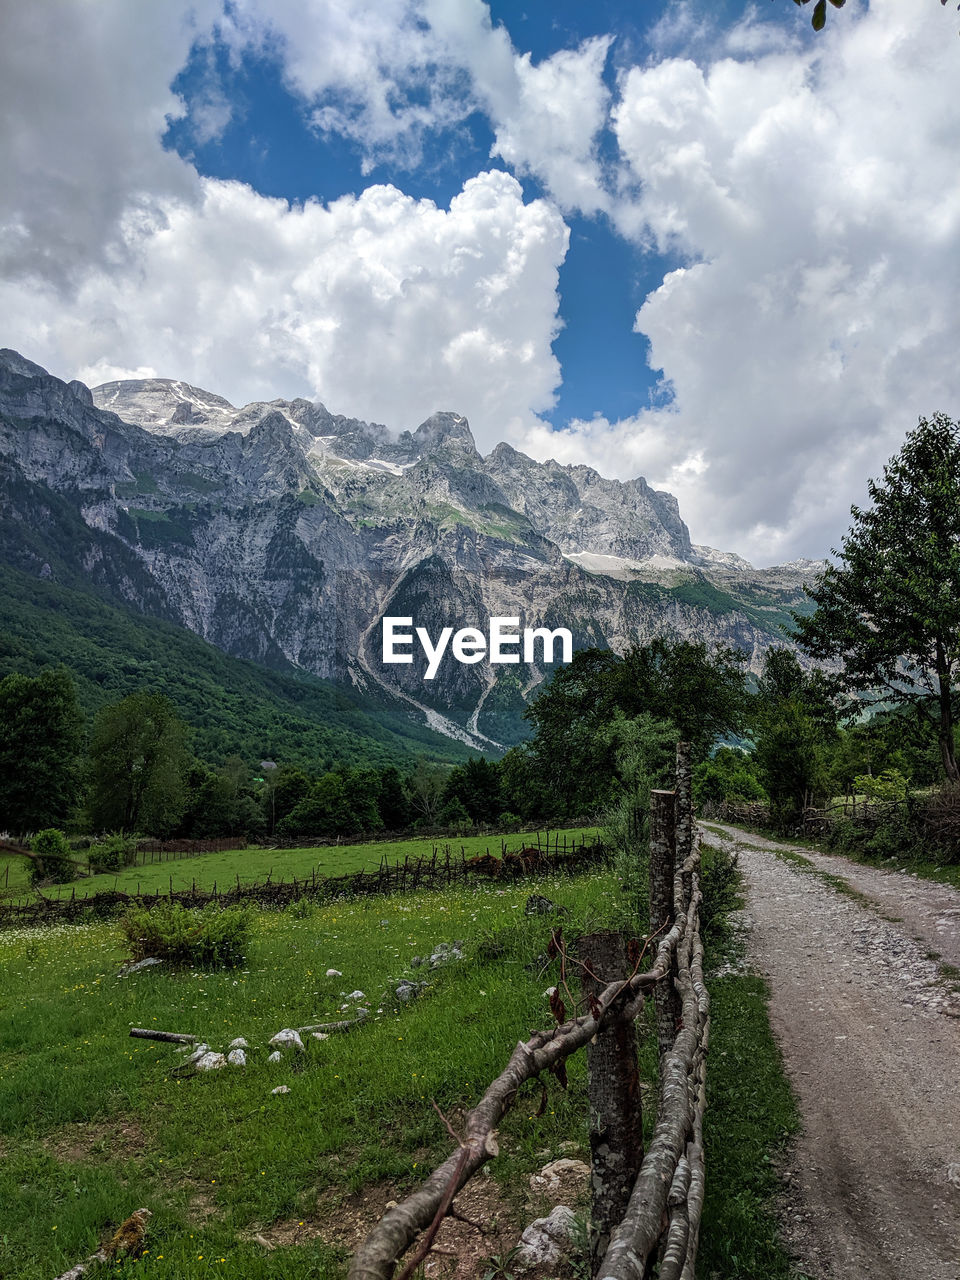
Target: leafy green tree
794, 725
701, 691
53, 858
890, 611
476, 785
395, 811
728, 775
39, 750
285, 788
325, 812
137, 760
425, 789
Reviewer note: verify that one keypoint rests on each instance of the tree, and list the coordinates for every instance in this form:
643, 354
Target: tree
39, 750
794, 721
137, 762
890, 611
699, 690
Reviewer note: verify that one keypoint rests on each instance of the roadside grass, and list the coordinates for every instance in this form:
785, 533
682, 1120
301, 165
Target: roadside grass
94, 1124
751, 1117
254, 865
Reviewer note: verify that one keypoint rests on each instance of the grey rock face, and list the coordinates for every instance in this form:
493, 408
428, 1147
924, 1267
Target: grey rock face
283, 533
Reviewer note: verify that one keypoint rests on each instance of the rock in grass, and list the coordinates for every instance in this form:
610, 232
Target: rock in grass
281, 1088
568, 1174
286, 1039
239, 1043
138, 965
195, 1054
407, 991
334, 973
237, 1058
356, 995
544, 1241
276, 1056
444, 952
211, 1062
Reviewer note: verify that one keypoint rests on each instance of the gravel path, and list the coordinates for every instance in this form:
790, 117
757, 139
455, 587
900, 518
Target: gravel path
870, 1035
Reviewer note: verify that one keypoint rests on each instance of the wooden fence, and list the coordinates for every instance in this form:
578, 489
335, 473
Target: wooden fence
646, 1205
443, 868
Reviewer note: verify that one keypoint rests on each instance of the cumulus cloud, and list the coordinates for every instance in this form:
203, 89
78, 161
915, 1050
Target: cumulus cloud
814, 198
386, 306
85, 95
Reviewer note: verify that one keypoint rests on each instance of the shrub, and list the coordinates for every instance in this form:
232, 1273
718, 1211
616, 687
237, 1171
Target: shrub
202, 937
112, 852
54, 859
720, 886
509, 821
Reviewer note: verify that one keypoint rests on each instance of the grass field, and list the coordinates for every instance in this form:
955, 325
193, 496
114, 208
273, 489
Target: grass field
253, 865
94, 1124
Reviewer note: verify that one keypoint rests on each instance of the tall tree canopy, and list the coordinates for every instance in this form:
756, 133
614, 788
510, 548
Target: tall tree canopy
889, 612
39, 750
137, 762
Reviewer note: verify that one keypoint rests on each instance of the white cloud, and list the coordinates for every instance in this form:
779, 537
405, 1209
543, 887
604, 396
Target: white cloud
815, 196
384, 306
85, 93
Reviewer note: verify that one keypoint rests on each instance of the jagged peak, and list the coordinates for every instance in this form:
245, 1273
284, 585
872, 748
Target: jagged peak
16, 363
442, 428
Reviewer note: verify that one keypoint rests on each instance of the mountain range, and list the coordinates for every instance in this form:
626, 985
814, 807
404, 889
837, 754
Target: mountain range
281, 533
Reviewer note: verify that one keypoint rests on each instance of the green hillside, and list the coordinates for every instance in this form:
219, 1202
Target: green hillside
235, 707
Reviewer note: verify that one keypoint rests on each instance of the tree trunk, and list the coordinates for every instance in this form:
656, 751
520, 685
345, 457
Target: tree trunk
616, 1119
945, 728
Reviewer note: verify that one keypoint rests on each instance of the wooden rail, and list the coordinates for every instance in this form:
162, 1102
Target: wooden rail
658, 1216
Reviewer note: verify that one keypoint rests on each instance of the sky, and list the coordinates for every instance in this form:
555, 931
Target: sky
690, 240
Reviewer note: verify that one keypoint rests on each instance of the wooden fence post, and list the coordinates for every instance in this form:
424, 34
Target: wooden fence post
663, 862
613, 1087
684, 804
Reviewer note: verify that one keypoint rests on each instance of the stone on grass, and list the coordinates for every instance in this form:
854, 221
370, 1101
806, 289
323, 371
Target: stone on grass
281, 1088
319, 1035
138, 965
211, 1062
444, 952
544, 1241
407, 991
287, 1039
356, 995
195, 1053
239, 1043
559, 1175
237, 1058
276, 1056
334, 973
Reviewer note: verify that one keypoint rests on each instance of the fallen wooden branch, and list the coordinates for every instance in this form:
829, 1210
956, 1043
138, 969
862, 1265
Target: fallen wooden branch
328, 1028
168, 1037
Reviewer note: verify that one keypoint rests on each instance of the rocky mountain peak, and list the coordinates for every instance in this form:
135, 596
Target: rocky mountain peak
441, 430
163, 405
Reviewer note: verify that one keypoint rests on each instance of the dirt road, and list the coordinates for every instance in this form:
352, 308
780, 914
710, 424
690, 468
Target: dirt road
870, 1034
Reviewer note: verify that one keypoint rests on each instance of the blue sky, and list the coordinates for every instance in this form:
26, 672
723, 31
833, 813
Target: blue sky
270, 144
675, 238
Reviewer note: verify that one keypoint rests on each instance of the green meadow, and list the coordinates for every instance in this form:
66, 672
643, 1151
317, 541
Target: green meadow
254, 865
245, 1183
